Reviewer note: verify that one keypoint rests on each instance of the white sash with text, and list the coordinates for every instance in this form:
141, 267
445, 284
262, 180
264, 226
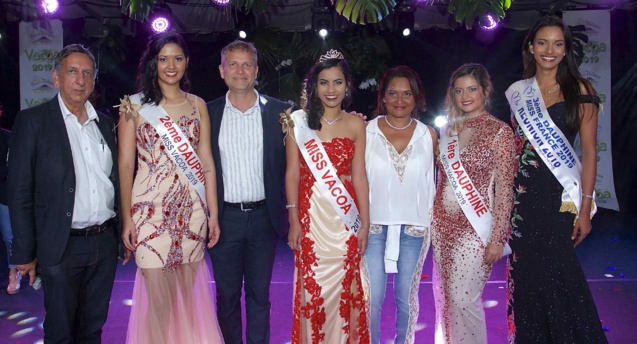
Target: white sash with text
177, 145
471, 202
548, 140
324, 172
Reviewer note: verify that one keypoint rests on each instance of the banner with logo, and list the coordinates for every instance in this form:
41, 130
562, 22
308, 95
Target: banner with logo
40, 41
596, 68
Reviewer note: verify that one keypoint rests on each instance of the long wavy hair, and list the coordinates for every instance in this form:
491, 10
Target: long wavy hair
147, 77
414, 83
568, 76
314, 107
456, 116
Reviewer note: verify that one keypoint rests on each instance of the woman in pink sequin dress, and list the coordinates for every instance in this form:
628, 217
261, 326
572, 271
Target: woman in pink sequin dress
165, 221
462, 261
329, 305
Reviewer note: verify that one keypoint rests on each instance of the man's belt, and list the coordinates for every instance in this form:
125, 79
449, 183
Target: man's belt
245, 206
93, 230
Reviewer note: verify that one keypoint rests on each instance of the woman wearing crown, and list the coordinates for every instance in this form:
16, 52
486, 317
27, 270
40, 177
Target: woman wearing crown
327, 192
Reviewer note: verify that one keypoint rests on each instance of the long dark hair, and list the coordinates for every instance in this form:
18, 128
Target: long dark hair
314, 106
147, 77
568, 76
414, 83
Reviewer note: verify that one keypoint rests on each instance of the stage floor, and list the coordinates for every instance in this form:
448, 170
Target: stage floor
608, 256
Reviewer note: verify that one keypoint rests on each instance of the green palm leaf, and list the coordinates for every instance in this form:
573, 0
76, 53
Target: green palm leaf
356, 11
137, 9
364, 11
466, 11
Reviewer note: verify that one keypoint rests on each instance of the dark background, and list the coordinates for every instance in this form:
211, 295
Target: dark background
434, 53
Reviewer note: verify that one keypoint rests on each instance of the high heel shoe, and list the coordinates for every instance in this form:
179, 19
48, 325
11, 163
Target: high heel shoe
14, 284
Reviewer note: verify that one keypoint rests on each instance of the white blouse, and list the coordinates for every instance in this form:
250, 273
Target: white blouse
401, 186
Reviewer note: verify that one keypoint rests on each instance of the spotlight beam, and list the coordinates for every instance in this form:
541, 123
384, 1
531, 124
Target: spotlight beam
322, 16
160, 24
404, 17
167, 12
49, 6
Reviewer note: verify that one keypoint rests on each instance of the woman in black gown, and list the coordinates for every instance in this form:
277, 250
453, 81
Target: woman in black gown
548, 297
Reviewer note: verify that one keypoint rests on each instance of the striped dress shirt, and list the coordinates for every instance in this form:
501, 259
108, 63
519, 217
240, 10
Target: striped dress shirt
241, 153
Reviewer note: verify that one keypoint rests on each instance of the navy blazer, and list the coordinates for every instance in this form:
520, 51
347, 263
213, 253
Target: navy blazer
42, 182
273, 157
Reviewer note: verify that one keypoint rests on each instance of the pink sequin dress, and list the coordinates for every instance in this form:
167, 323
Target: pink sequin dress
172, 300
329, 305
460, 274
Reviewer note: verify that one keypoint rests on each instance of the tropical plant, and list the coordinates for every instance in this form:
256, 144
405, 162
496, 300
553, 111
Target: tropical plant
111, 48
364, 11
467, 11
285, 57
138, 9
356, 11
580, 38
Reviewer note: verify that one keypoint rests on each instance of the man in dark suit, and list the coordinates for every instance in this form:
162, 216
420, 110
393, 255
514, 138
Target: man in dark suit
249, 156
62, 173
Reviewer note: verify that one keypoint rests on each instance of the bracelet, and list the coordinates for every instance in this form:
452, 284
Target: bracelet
288, 206
588, 196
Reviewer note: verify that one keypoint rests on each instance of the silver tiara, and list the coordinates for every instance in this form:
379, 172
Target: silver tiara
332, 54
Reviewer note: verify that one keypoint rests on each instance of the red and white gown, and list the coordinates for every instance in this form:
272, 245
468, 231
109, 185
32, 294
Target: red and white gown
172, 300
460, 274
329, 304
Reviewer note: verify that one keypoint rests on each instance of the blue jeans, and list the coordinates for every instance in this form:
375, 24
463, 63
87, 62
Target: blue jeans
414, 244
5, 228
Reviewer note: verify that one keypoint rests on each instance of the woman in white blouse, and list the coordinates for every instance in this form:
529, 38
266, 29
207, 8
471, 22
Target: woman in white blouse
399, 160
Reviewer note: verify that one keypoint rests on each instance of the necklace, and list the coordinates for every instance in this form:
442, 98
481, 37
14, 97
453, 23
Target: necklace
332, 121
550, 89
399, 128
549, 92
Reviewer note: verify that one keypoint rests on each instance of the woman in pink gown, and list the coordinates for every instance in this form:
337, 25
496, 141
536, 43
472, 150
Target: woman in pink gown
329, 304
168, 211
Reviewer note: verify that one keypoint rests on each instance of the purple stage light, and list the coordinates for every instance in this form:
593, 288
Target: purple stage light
160, 24
221, 2
50, 6
489, 23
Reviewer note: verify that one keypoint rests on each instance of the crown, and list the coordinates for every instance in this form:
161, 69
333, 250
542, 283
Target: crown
331, 54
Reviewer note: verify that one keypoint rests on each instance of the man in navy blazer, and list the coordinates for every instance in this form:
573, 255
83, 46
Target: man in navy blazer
249, 157
62, 178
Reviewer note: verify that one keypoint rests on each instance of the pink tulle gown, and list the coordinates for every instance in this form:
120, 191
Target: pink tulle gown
172, 298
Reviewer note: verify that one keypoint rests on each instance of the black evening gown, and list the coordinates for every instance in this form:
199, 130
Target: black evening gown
548, 299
